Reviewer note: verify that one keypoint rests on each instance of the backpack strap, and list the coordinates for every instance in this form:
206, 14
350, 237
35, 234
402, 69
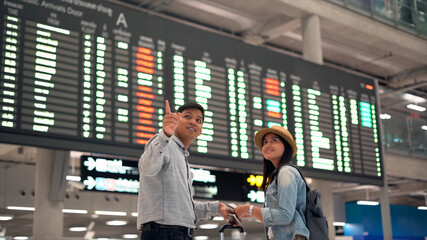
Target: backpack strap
307, 188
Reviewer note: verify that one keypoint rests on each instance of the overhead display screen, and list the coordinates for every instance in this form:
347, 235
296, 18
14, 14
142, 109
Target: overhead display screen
121, 176
94, 75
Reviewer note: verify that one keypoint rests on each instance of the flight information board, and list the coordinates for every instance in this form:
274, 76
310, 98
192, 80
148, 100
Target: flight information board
94, 76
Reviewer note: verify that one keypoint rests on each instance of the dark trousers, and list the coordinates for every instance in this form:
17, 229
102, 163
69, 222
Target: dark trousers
155, 231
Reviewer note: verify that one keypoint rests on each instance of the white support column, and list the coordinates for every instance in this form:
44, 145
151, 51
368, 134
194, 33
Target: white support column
384, 198
48, 216
312, 39
327, 200
312, 51
385, 212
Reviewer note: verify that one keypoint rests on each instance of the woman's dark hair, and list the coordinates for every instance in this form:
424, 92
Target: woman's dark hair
192, 105
268, 168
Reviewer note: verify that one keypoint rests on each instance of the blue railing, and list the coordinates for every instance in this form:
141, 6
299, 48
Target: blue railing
408, 15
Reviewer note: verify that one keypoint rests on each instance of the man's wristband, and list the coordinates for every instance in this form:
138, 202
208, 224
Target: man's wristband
251, 210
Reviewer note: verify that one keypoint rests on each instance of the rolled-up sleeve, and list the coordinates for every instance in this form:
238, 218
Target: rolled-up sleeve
206, 210
155, 155
286, 198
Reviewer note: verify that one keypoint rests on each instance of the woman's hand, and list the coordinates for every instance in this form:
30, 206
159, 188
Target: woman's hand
242, 211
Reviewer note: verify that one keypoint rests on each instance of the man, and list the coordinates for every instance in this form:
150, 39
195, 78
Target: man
165, 203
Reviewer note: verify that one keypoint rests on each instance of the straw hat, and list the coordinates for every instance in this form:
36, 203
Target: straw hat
284, 133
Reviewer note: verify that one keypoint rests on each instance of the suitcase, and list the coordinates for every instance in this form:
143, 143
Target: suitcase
230, 226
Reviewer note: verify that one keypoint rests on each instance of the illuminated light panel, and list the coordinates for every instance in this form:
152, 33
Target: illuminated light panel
204, 93
5, 217
145, 66
317, 139
369, 87
338, 141
375, 132
122, 105
10, 46
344, 134
117, 223
339, 224
53, 29
416, 107
233, 112
178, 70
75, 211
353, 112
110, 213
87, 86
385, 116
272, 86
238, 115
20, 208
122, 100
369, 203
99, 129
284, 110
365, 113
299, 133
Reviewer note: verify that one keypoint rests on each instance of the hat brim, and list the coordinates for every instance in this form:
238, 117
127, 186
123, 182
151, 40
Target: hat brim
280, 131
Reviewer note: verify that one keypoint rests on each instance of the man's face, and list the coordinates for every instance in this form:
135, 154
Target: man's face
190, 125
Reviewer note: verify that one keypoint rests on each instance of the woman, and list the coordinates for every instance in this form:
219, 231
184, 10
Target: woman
283, 214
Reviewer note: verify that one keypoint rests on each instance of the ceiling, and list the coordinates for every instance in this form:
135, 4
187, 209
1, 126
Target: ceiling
350, 41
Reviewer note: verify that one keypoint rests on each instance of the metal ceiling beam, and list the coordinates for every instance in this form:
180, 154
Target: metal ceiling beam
404, 89
411, 76
270, 30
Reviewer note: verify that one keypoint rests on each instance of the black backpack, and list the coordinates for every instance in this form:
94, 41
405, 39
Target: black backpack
316, 222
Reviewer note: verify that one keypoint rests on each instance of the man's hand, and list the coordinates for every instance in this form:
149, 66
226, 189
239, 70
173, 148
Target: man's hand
224, 210
170, 120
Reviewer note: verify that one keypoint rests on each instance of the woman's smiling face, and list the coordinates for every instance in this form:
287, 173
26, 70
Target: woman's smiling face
272, 148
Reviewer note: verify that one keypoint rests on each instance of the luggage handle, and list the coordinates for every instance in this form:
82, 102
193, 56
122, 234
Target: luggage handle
230, 226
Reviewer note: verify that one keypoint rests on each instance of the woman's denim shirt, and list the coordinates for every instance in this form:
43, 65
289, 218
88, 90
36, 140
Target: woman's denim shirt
285, 205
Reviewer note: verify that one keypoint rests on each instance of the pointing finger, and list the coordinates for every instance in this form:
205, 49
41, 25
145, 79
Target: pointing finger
167, 107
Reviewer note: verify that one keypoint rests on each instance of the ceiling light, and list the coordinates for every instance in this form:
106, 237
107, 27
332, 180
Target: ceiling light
5, 217
20, 208
116, 223
413, 98
385, 116
201, 238
77, 229
416, 107
77, 211
134, 214
424, 127
339, 224
208, 226
130, 236
73, 178
370, 203
422, 208
110, 213
20, 238
218, 218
